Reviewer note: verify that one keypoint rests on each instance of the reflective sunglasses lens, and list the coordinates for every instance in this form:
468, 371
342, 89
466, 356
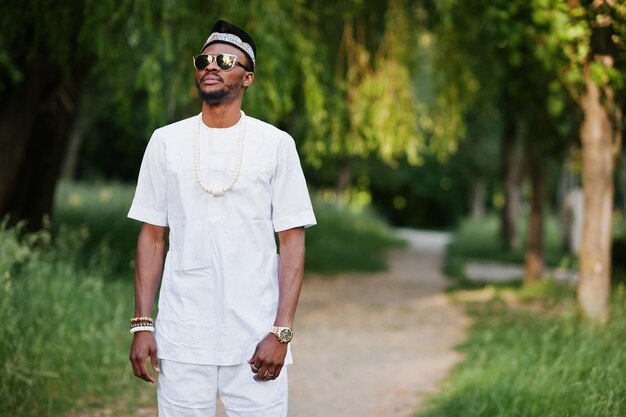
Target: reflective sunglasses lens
202, 61
226, 61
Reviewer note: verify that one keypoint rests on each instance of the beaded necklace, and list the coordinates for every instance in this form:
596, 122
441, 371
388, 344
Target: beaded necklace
218, 192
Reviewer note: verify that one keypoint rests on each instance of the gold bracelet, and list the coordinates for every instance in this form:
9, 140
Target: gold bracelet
141, 319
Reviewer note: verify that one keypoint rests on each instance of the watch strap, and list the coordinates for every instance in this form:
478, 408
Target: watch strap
277, 331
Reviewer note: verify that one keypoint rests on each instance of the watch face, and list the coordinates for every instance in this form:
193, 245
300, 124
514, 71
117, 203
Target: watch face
285, 334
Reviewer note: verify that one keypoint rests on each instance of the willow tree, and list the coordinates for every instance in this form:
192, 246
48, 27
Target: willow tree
54, 54
467, 79
370, 94
586, 47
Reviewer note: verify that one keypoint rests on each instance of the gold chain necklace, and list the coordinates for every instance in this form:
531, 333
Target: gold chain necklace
218, 192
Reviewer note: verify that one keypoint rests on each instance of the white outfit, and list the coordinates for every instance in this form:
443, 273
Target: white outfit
219, 291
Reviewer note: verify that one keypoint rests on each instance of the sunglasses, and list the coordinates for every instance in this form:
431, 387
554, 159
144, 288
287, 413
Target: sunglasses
225, 62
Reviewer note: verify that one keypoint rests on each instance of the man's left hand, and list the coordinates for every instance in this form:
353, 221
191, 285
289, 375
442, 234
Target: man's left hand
268, 358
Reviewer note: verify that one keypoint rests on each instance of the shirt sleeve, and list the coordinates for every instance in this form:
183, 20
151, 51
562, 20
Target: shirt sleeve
291, 204
150, 202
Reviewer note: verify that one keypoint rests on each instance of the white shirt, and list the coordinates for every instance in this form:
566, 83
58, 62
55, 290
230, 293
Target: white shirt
219, 291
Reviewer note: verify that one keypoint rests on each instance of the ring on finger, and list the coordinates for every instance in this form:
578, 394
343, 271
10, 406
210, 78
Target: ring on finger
255, 369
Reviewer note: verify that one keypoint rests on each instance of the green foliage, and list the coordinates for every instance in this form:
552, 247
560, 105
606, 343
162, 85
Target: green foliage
535, 358
372, 108
65, 299
64, 334
151, 48
432, 195
338, 77
384, 117
566, 41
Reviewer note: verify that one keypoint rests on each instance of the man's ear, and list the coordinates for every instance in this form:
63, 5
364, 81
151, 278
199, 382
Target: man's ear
248, 79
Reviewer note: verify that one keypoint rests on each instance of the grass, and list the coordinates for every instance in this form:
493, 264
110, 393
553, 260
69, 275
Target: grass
66, 294
528, 355
345, 240
63, 340
100, 210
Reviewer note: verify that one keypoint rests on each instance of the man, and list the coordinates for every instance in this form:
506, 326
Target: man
222, 183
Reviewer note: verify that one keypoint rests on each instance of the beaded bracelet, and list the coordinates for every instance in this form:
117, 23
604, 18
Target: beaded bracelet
141, 319
140, 324
142, 329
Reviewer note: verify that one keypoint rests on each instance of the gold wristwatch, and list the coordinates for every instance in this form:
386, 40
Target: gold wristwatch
284, 334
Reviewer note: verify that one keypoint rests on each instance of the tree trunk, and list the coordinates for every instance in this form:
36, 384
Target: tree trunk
511, 173
17, 118
70, 162
479, 193
345, 176
34, 133
45, 159
599, 149
534, 249
622, 180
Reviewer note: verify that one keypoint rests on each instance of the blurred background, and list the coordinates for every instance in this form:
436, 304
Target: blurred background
500, 121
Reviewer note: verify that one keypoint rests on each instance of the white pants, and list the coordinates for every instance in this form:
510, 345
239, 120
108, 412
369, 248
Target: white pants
189, 390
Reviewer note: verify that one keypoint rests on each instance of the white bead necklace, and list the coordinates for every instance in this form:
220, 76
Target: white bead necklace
218, 192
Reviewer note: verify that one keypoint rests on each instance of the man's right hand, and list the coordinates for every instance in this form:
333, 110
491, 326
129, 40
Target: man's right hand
143, 345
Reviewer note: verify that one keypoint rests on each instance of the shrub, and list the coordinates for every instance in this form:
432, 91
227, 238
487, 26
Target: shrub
64, 334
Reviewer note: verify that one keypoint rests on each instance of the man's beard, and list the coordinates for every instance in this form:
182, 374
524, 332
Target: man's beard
213, 97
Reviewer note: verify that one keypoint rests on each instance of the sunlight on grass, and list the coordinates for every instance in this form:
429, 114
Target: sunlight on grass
528, 353
531, 356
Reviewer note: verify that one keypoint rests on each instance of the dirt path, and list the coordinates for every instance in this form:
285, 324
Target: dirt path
373, 345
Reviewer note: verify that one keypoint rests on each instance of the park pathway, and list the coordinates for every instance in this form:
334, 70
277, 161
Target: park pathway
372, 345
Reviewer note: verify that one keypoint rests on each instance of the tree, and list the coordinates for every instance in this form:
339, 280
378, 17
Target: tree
53, 55
495, 42
371, 107
601, 136
336, 75
42, 68
585, 46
